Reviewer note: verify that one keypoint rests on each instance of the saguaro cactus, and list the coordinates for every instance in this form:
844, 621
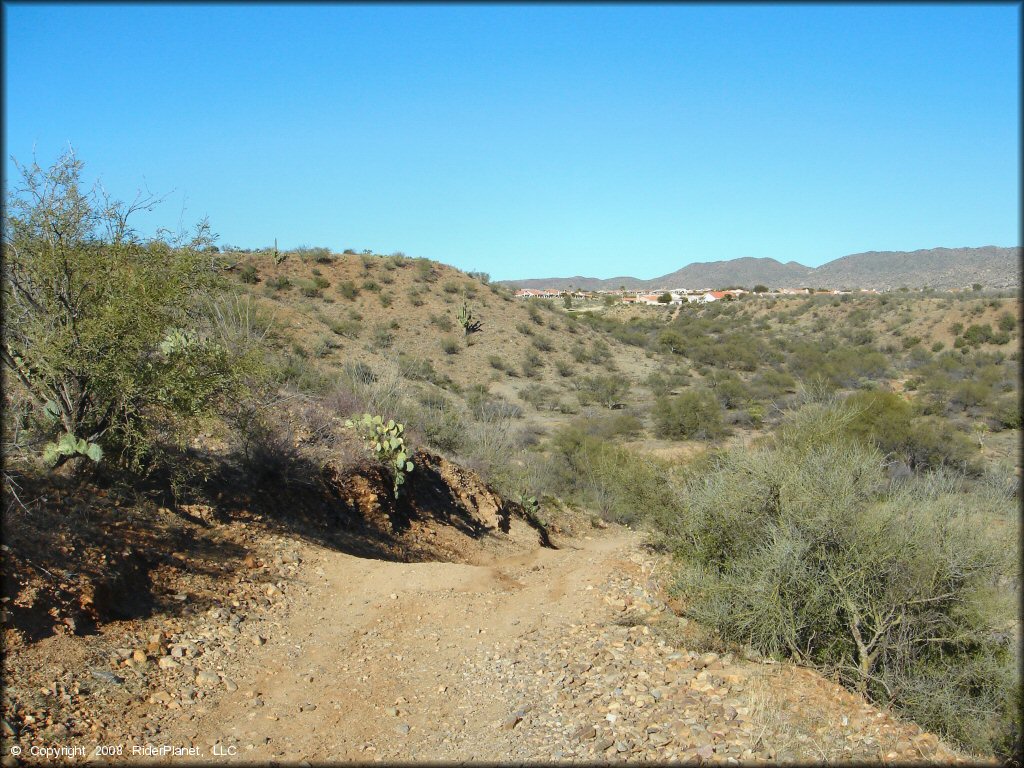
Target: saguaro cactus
465, 318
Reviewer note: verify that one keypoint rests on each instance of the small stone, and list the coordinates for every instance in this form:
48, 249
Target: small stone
107, 677
258, 640
586, 732
230, 684
392, 711
403, 728
207, 678
511, 721
166, 662
140, 656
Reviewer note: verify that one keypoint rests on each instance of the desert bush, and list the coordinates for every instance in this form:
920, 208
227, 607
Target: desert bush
319, 255
105, 331
623, 486
731, 391
279, 283
1006, 411
606, 389
442, 321
540, 396
450, 345
497, 362
310, 292
382, 336
804, 549
348, 289
439, 421
534, 312
450, 286
524, 329
324, 346
381, 391
424, 271
350, 329
565, 368
385, 299
695, 413
976, 335
248, 274
531, 364
1007, 322
371, 285
542, 343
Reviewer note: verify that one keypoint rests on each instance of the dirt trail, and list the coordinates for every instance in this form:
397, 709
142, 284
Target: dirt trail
369, 660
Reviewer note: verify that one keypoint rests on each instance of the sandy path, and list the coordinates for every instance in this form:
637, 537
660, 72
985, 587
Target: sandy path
370, 659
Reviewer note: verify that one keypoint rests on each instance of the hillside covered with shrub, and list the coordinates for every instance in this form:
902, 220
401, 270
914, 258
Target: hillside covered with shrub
835, 477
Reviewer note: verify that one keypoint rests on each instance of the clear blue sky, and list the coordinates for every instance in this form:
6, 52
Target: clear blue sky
535, 141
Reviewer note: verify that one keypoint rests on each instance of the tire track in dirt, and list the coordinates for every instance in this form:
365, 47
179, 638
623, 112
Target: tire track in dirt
369, 660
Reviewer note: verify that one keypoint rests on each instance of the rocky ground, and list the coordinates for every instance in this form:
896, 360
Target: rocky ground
526, 654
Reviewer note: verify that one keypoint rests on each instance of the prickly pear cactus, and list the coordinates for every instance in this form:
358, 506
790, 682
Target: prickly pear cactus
387, 442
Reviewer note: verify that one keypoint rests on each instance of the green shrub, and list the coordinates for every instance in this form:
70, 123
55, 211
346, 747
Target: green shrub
248, 274
695, 413
382, 337
371, 285
424, 271
622, 486
442, 321
350, 329
450, 345
542, 343
804, 549
106, 332
280, 283
531, 364
976, 335
1007, 322
450, 286
565, 368
348, 289
606, 389
385, 299
540, 396
524, 329
497, 363
1006, 411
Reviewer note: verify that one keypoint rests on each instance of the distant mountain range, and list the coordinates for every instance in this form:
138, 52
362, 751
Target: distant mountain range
942, 268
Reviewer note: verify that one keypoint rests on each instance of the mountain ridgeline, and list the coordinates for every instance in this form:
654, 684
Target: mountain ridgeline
941, 268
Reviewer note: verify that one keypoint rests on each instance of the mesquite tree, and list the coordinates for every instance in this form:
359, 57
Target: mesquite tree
101, 330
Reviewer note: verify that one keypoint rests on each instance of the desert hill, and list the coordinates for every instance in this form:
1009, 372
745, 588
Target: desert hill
942, 268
